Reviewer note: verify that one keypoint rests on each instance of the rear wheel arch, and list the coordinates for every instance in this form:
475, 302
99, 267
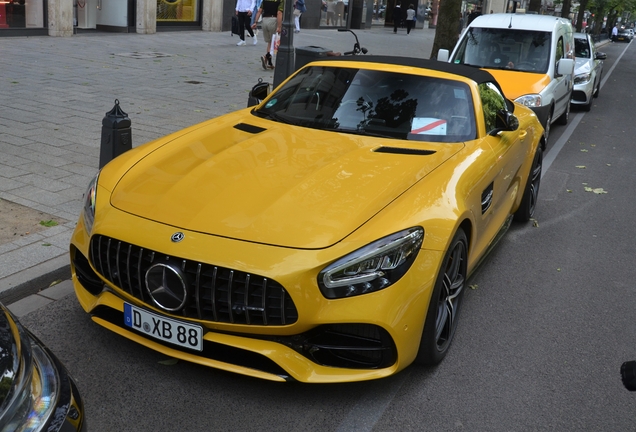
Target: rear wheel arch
467, 226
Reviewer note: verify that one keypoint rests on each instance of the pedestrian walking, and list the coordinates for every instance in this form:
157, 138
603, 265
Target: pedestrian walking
299, 9
410, 18
614, 32
257, 5
331, 12
340, 11
474, 14
397, 17
244, 10
272, 13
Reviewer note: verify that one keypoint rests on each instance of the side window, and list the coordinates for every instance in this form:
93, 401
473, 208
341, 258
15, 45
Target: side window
559, 50
491, 101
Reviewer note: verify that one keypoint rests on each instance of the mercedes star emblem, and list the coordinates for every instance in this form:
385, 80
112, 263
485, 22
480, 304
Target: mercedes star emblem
167, 287
177, 237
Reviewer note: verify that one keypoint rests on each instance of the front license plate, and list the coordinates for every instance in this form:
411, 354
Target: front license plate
163, 328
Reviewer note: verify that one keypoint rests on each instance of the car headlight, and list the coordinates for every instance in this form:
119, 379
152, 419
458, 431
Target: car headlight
531, 100
35, 389
582, 78
373, 267
89, 204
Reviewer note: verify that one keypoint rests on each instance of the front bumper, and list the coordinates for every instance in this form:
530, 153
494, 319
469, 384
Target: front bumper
360, 338
582, 95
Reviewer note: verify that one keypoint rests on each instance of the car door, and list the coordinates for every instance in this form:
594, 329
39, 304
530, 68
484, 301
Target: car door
508, 149
597, 63
562, 84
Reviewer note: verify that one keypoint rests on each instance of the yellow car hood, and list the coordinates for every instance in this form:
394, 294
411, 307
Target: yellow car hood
515, 84
273, 184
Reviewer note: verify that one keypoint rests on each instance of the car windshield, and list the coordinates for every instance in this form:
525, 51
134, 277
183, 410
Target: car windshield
375, 103
496, 48
582, 48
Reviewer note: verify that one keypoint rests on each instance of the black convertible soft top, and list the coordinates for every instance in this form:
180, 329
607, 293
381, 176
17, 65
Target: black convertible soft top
475, 74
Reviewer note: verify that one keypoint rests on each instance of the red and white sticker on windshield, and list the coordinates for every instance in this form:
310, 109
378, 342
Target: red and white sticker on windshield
428, 126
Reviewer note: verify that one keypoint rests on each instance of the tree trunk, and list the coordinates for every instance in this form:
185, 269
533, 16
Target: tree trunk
581, 15
565, 10
535, 6
447, 29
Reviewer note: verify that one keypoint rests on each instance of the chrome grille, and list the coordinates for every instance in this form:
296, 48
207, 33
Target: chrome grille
216, 293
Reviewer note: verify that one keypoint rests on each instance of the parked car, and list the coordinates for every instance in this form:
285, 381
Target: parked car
36, 391
531, 56
588, 71
625, 35
324, 235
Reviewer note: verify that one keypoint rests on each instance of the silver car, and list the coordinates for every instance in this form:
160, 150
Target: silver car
588, 71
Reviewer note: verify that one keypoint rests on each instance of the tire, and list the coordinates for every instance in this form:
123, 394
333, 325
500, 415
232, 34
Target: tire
531, 193
443, 311
588, 106
598, 89
563, 120
547, 126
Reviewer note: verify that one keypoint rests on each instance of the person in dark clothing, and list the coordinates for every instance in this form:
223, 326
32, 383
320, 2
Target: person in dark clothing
410, 18
397, 17
272, 13
474, 14
244, 13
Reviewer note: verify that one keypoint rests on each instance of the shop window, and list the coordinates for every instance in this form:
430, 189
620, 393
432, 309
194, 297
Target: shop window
177, 10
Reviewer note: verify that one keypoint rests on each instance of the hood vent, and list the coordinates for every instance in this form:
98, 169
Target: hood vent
249, 128
404, 151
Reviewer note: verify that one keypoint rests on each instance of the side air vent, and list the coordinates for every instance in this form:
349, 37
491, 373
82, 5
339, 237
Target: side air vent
249, 128
486, 198
404, 151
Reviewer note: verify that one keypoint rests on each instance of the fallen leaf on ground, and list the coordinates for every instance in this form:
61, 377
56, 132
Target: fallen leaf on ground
597, 191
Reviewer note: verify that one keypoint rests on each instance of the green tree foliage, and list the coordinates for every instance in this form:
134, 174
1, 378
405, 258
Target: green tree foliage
491, 104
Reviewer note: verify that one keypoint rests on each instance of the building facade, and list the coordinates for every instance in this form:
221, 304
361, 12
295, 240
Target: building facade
67, 17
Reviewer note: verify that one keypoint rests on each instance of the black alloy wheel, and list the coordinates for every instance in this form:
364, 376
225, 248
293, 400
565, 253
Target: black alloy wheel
446, 300
531, 194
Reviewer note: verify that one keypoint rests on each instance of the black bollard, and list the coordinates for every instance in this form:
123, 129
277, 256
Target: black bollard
116, 135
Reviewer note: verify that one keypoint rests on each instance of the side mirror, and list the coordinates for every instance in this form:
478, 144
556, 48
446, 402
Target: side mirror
505, 122
565, 67
443, 55
258, 93
600, 55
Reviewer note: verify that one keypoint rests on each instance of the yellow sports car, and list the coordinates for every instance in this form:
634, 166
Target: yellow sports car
323, 235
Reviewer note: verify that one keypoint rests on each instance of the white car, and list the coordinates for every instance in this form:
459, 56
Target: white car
588, 71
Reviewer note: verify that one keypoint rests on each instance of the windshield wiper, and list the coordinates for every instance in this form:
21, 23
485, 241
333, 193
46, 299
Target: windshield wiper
363, 133
274, 116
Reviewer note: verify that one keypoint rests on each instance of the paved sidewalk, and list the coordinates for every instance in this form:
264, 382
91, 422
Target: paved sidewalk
56, 91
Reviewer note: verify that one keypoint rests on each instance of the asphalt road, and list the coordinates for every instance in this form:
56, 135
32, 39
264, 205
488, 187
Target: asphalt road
543, 331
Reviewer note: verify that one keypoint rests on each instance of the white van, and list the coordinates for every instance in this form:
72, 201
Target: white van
531, 56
